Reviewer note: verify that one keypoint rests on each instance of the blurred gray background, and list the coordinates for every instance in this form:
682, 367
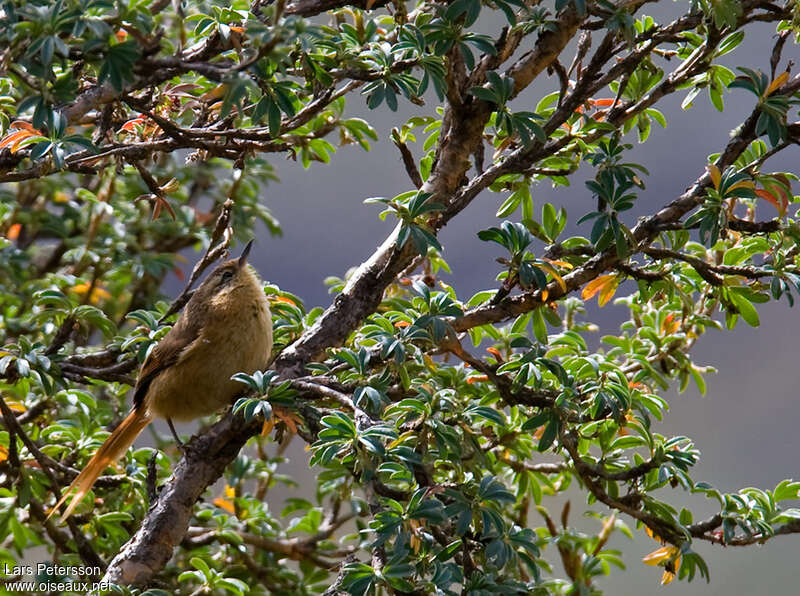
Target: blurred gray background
744, 426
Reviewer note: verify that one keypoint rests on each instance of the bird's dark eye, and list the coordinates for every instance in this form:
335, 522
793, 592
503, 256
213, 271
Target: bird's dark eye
226, 276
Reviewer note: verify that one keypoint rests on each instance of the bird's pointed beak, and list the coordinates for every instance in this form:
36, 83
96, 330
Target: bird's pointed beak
243, 259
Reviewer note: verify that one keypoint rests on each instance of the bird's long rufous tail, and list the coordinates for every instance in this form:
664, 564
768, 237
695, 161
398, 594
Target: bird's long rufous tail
114, 447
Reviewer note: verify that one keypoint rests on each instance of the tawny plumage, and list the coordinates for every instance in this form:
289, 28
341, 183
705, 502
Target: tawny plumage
225, 328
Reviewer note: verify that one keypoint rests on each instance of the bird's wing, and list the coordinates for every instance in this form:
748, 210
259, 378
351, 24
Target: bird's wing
165, 354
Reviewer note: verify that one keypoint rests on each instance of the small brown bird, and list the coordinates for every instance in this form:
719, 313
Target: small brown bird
225, 328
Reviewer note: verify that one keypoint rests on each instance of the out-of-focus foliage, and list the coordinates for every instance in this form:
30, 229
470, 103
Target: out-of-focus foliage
443, 426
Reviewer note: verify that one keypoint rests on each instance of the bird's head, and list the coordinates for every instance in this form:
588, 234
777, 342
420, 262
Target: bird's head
228, 281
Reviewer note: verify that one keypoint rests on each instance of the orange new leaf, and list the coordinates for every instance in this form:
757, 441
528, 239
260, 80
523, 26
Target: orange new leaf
608, 292
769, 197
477, 379
11, 137
563, 264
496, 353
214, 94
667, 556
669, 325
16, 406
13, 231
556, 276
606, 285
223, 502
742, 184
291, 420
267, 427
98, 292
22, 125
130, 125
593, 287
779, 81
777, 192
15, 139
661, 555
715, 174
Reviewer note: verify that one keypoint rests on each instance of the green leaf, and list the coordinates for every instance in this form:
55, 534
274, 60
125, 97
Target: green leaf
787, 490
730, 43
549, 435
698, 379
487, 413
539, 327
200, 565
118, 65
509, 205
744, 307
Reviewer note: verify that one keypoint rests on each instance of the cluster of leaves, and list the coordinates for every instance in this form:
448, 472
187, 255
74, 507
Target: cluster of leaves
523, 268
499, 91
613, 186
449, 426
711, 218
411, 208
773, 107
